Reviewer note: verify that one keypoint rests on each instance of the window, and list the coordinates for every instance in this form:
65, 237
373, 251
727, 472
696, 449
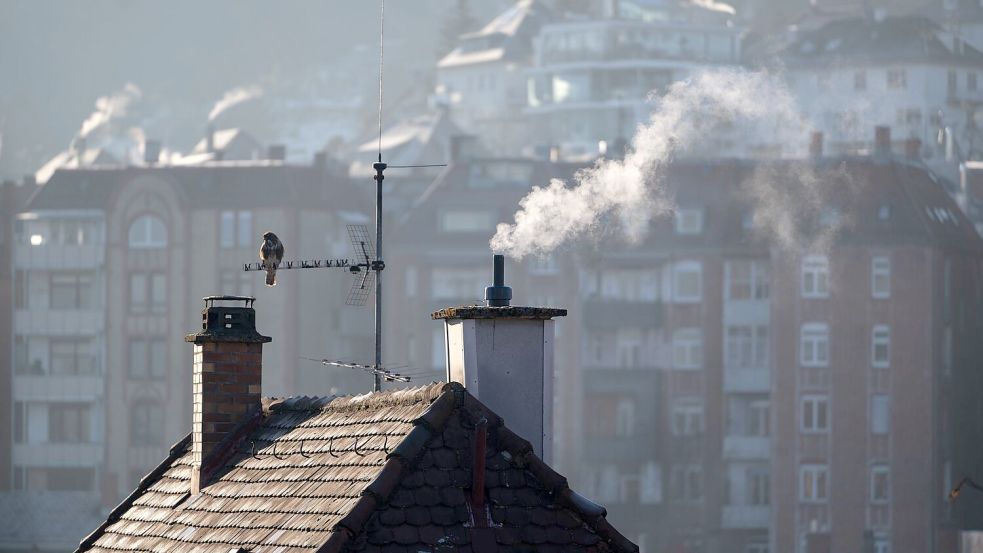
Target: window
882, 545
625, 417
880, 346
453, 283
757, 547
880, 484
236, 229
746, 280
235, 283
630, 284
815, 414
897, 79
628, 347
814, 345
880, 277
880, 414
687, 281
72, 357
746, 347
20, 422
759, 418
689, 221
651, 484
70, 291
542, 265
953, 83
68, 422
971, 82
686, 483
860, 81
148, 292
467, 221
146, 424
147, 232
687, 417
815, 277
147, 358
758, 486
687, 348
813, 483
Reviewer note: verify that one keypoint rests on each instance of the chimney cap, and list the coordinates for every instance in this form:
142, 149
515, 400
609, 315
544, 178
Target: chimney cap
498, 295
222, 323
507, 312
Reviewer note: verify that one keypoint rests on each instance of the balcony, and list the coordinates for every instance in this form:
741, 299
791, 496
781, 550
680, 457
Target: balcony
747, 447
747, 380
59, 256
608, 449
52, 322
746, 517
56, 455
58, 387
603, 314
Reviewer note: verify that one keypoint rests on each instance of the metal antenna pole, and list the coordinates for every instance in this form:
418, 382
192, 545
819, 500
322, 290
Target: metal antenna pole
378, 266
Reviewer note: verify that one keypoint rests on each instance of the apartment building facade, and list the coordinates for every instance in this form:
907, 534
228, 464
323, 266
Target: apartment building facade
720, 393
110, 265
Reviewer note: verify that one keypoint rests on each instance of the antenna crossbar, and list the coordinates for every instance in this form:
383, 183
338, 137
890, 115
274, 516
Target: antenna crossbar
349, 264
380, 372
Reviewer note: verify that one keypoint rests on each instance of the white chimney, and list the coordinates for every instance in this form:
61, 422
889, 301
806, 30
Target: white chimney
503, 355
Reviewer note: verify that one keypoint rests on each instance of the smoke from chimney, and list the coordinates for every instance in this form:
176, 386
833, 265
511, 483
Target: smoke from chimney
232, 98
110, 107
627, 194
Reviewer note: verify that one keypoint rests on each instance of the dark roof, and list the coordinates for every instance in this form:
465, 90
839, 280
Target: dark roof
382, 471
225, 184
899, 39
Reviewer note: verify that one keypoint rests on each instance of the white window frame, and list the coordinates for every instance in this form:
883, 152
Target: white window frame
880, 414
754, 343
815, 273
688, 417
624, 420
689, 221
687, 348
817, 408
814, 483
145, 239
680, 268
880, 336
875, 472
817, 335
880, 277
759, 280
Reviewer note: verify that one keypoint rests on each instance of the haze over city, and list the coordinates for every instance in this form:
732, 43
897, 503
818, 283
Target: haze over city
674, 276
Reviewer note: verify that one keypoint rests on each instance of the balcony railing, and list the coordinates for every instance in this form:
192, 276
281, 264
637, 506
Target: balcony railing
59, 256
747, 380
59, 322
56, 455
61, 387
746, 516
601, 314
747, 447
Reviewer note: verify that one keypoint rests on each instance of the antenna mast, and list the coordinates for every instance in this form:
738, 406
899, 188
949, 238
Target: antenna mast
379, 167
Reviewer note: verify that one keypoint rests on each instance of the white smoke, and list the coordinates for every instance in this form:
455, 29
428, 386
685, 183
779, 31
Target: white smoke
109, 108
626, 194
234, 97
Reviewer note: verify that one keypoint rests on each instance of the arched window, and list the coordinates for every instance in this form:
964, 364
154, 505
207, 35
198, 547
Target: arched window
148, 231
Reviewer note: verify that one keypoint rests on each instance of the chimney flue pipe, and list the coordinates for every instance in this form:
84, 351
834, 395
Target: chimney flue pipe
498, 295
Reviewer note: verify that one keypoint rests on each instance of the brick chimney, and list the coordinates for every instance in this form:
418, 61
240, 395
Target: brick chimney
226, 382
503, 355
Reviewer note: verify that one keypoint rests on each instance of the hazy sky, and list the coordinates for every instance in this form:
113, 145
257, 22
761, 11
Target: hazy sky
57, 57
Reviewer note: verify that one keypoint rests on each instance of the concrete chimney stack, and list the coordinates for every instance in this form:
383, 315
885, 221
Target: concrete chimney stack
226, 382
816, 144
503, 355
882, 140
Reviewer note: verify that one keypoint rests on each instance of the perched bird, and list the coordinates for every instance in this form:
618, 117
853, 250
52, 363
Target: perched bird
271, 253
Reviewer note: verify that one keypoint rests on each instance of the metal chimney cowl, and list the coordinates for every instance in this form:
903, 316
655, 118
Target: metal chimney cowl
503, 355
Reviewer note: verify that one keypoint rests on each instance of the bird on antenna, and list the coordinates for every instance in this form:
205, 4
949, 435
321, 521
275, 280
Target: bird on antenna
271, 253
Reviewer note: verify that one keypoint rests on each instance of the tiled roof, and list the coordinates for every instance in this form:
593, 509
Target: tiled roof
380, 472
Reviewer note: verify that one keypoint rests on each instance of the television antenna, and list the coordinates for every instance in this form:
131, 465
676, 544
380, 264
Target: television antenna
370, 264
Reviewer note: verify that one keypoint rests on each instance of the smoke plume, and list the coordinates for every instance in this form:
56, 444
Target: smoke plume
109, 108
693, 117
234, 97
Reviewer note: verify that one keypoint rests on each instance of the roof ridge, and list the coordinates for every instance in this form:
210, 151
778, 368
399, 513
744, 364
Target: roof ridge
371, 400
